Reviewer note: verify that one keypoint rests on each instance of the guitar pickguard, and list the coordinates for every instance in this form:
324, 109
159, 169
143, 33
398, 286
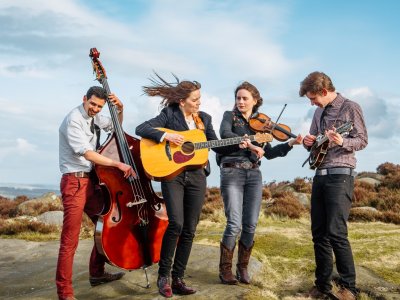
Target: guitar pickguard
181, 158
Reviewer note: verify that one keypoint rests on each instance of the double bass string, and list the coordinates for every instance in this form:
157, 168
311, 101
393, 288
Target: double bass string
127, 157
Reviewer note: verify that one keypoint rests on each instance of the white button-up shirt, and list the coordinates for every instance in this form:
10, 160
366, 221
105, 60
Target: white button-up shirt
75, 138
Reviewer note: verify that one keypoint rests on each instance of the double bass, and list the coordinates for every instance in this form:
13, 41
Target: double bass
130, 229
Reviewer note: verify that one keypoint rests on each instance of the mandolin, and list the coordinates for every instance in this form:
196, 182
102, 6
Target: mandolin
320, 147
165, 160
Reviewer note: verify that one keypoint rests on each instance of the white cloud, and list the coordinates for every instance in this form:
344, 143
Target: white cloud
23, 147
381, 116
9, 149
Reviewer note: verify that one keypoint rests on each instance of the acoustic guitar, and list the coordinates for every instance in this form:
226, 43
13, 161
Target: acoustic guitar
165, 160
320, 147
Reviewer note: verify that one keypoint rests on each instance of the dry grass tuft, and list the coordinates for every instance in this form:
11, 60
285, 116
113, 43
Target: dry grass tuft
17, 226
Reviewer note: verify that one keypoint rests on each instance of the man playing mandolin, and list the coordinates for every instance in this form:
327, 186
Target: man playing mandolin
77, 146
333, 184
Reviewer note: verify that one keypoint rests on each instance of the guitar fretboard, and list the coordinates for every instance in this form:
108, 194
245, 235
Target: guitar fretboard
221, 143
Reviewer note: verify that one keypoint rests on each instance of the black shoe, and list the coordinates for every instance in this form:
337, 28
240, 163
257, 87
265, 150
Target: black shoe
106, 277
179, 287
163, 286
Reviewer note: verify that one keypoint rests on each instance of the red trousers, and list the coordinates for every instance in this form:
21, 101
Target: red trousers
78, 196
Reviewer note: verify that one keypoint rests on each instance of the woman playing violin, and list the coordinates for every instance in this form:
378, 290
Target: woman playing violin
241, 182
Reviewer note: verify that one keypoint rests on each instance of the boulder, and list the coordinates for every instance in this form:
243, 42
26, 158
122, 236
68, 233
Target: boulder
35, 206
370, 180
51, 218
366, 209
303, 198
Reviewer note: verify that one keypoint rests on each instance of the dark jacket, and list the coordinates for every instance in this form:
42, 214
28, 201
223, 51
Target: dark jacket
171, 117
234, 124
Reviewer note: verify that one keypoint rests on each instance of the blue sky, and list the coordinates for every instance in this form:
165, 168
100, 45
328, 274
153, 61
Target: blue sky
45, 69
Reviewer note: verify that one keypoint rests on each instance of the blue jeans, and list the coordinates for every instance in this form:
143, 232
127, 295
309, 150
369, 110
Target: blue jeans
241, 190
330, 208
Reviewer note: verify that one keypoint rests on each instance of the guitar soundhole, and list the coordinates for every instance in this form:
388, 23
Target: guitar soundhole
187, 147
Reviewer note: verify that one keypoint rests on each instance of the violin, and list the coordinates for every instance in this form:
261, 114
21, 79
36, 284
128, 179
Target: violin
260, 122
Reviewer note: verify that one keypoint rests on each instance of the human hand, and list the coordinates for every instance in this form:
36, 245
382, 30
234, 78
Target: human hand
175, 138
296, 141
245, 143
334, 137
257, 151
309, 140
127, 169
115, 100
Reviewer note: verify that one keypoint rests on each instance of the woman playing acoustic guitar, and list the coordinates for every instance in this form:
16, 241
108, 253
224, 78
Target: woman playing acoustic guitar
184, 194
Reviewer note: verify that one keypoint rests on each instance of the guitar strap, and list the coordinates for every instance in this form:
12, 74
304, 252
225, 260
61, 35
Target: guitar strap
198, 121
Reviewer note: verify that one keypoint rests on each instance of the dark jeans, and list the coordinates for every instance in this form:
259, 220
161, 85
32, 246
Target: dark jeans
184, 197
330, 207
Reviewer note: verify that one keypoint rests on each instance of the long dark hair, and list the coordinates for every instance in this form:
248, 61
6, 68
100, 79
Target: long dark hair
171, 93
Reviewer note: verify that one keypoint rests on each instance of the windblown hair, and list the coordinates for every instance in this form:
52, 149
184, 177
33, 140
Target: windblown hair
253, 91
171, 93
97, 91
315, 82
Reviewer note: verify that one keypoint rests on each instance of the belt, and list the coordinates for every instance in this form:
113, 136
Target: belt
79, 174
336, 171
240, 165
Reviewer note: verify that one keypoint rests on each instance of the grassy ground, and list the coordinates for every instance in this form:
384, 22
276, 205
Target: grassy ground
285, 249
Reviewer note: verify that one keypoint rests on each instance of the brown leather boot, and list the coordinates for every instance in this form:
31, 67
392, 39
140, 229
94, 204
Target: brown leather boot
243, 261
225, 265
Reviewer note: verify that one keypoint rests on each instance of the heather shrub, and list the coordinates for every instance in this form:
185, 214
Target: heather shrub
266, 193
363, 193
391, 181
364, 215
8, 207
212, 203
286, 205
302, 185
387, 200
388, 168
17, 226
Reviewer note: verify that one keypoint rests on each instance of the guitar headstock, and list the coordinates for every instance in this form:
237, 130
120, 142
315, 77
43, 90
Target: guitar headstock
263, 137
98, 68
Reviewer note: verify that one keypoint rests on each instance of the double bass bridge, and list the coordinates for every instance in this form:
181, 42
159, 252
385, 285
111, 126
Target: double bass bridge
136, 202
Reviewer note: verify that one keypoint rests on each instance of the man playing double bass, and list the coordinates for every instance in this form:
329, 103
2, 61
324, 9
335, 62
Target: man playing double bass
77, 153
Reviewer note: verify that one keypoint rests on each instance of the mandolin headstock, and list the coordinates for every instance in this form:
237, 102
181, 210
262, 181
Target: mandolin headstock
98, 68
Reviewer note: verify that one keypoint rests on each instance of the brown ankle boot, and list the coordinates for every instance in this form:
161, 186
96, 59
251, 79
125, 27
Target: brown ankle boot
225, 265
243, 261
